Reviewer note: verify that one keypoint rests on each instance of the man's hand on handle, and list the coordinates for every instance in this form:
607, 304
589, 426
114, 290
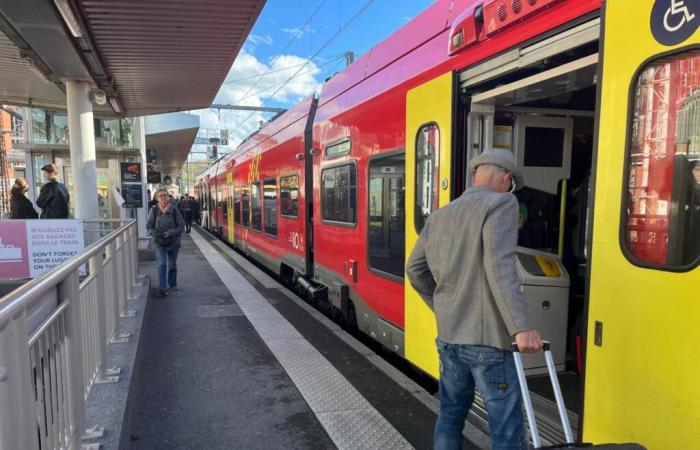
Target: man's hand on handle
528, 341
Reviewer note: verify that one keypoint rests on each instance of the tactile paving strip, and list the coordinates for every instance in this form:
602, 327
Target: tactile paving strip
344, 425
349, 419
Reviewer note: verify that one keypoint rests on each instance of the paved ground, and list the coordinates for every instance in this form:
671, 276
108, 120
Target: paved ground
204, 382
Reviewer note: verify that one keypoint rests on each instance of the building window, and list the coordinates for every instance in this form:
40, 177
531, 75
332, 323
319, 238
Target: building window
237, 204
662, 211
427, 157
339, 194
245, 203
289, 196
386, 215
338, 149
270, 205
255, 207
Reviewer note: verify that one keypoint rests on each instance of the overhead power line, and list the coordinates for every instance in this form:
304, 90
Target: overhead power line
333, 58
260, 91
291, 41
249, 108
357, 14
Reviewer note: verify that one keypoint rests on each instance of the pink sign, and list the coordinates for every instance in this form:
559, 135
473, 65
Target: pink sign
13, 249
30, 247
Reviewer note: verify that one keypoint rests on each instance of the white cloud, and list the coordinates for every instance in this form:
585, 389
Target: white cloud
243, 86
298, 32
257, 39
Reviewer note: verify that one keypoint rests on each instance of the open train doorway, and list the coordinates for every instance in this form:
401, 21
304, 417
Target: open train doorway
539, 102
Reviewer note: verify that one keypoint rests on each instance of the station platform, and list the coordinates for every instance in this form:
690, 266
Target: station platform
233, 359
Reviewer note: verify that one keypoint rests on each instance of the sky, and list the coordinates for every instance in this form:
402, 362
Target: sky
292, 48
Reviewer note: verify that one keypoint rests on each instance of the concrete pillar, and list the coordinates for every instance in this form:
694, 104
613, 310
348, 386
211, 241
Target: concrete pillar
140, 141
82, 149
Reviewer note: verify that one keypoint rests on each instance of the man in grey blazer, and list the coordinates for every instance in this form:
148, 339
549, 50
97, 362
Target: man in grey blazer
463, 267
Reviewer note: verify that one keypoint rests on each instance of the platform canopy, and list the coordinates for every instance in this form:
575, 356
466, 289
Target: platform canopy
149, 56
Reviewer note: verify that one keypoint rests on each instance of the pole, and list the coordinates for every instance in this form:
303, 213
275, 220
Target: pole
82, 149
562, 217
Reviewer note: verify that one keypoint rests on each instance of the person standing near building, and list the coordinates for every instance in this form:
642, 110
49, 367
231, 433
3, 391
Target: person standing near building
53, 198
165, 226
20, 206
463, 266
186, 208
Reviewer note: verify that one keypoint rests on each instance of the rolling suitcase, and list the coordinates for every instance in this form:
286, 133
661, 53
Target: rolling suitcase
560, 406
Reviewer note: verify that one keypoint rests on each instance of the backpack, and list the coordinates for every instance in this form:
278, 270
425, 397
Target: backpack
164, 242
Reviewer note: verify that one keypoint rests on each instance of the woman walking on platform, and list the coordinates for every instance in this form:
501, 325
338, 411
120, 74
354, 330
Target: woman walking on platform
165, 225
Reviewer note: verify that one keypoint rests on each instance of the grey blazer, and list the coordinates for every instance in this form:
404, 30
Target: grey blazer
463, 267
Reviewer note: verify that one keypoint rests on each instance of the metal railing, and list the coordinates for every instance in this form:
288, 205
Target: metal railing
54, 333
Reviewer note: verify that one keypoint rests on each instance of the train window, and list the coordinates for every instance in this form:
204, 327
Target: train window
223, 203
212, 200
662, 210
289, 196
338, 148
427, 158
270, 206
237, 204
245, 205
255, 207
386, 215
220, 203
339, 194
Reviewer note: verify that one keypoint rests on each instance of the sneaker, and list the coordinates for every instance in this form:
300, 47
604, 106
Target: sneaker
174, 288
163, 293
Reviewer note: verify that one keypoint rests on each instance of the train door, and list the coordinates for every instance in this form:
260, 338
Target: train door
429, 123
204, 205
230, 204
641, 378
538, 101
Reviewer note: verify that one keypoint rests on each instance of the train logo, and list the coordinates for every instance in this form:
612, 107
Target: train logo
254, 170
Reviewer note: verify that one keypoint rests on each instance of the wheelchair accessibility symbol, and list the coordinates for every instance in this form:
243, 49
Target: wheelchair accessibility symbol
674, 21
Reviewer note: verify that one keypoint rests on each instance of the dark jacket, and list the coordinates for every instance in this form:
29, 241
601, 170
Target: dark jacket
463, 266
186, 208
170, 222
21, 207
53, 200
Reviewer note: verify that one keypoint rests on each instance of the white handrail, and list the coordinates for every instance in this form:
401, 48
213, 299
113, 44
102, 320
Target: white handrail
46, 372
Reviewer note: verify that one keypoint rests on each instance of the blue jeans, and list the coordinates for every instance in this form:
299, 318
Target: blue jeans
492, 372
167, 265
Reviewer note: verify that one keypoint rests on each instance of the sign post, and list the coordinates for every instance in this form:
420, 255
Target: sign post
132, 189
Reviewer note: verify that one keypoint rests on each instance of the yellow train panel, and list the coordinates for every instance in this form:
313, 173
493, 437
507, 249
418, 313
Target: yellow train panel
641, 383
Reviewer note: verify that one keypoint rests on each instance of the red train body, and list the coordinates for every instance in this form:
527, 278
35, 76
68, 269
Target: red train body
360, 115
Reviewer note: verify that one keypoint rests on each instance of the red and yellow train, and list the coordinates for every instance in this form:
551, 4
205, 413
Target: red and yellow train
600, 102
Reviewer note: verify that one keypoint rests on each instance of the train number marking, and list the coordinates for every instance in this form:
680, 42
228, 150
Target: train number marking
295, 240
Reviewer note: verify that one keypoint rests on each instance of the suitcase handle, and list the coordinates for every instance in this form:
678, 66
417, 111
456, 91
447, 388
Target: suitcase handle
557, 394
